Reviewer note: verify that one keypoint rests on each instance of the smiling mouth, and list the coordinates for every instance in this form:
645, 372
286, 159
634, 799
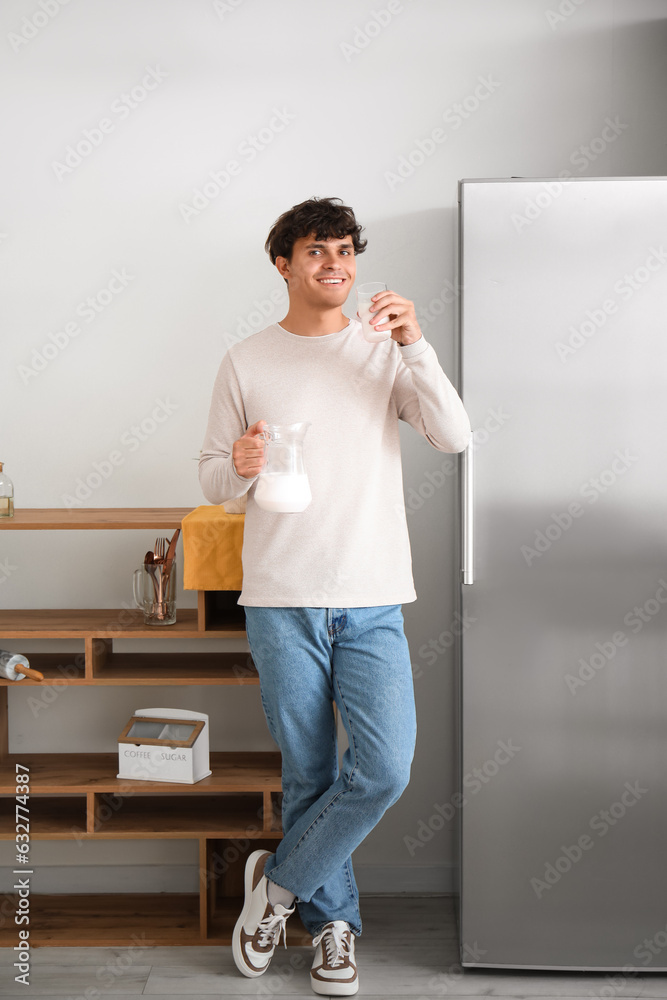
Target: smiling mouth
331, 281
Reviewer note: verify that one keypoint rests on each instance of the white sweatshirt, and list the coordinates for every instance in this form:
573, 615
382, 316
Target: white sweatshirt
350, 547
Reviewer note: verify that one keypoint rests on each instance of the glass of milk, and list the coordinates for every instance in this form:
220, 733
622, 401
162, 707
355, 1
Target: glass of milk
282, 486
364, 303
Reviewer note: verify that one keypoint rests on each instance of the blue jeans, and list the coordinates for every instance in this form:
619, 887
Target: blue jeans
306, 659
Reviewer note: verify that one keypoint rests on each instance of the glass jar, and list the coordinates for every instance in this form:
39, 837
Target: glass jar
6, 495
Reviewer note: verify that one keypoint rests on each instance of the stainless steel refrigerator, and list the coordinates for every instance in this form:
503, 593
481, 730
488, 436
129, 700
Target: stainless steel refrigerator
562, 672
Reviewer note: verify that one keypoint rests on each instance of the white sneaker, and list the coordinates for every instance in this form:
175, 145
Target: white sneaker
334, 973
258, 929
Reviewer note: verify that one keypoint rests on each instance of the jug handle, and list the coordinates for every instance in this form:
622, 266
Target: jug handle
137, 584
266, 437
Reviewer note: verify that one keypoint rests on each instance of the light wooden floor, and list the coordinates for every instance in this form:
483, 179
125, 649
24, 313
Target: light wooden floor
408, 949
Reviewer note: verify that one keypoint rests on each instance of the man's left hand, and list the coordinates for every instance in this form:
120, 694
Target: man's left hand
392, 311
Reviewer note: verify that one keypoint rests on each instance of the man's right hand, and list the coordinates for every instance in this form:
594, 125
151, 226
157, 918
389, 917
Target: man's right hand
248, 451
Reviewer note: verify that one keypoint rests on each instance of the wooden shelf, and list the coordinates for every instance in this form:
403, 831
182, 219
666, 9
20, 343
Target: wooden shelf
51, 817
112, 920
55, 666
71, 623
176, 669
128, 669
62, 773
233, 811
93, 518
173, 817
109, 919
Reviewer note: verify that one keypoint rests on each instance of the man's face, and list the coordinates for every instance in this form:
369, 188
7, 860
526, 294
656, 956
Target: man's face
321, 272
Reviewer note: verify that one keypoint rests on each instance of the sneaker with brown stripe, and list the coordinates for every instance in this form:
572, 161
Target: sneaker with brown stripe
334, 973
258, 929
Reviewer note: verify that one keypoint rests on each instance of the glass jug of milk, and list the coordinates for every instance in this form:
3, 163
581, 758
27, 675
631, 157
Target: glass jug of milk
282, 485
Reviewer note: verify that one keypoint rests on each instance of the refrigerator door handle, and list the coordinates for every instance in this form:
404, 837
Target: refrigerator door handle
467, 554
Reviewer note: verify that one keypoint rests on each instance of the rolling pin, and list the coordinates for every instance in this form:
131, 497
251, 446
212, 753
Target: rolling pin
15, 667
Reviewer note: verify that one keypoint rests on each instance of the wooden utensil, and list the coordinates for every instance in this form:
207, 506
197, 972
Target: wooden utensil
19, 668
29, 672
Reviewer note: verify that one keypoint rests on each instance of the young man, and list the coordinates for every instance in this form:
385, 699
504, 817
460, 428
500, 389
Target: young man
322, 589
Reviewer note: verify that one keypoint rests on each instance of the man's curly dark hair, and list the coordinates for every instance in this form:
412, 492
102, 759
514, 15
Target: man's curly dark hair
327, 218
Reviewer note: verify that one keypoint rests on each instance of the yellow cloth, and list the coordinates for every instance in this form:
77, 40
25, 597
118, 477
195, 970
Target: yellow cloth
212, 544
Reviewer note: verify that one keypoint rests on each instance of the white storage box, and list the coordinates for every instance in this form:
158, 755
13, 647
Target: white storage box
164, 744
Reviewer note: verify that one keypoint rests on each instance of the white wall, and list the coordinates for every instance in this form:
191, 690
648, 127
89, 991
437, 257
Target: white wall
515, 88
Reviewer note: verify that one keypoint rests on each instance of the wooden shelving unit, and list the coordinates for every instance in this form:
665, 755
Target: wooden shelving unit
94, 518
231, 812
